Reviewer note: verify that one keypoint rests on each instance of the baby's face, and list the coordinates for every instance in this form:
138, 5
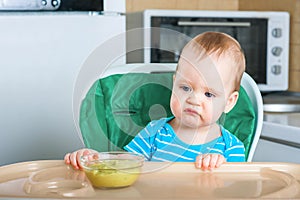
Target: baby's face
200, 91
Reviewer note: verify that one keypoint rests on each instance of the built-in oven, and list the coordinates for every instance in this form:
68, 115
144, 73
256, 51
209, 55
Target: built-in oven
264, 37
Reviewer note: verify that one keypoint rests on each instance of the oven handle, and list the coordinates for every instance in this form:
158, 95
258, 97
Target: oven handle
280, 141
236, 24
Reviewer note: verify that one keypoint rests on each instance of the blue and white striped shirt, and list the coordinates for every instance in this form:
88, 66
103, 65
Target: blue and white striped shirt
158, 142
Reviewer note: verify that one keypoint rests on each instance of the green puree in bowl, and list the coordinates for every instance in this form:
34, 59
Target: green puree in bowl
113, 173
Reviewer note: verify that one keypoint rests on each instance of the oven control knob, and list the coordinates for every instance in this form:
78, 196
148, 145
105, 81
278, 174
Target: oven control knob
277, 32
44, 2
276, 51
276, 69
55, 3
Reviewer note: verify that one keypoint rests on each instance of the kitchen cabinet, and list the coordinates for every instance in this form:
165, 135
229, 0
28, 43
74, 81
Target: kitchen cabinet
280, 138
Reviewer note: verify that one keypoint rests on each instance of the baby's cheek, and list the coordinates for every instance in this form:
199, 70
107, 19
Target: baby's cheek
175, 106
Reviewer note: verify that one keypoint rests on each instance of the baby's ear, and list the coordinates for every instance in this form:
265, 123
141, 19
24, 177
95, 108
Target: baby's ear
231, 101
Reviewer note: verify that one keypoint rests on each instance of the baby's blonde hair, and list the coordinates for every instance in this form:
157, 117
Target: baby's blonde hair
221, 44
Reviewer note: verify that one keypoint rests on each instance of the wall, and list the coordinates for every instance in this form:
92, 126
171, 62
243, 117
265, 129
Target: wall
138, 5
292, 6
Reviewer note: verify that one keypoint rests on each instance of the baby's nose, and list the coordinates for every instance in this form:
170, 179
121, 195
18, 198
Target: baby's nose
196, 99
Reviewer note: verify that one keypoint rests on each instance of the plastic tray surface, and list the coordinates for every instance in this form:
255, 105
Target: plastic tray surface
54, 179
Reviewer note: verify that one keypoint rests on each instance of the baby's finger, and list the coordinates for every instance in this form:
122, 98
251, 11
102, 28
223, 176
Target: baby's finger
81, 153
67, 159
213, 161
206, 161
220, 161
73, 159
198, 162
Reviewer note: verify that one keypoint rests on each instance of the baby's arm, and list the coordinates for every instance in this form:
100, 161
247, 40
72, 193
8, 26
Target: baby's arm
74, 157
209, 161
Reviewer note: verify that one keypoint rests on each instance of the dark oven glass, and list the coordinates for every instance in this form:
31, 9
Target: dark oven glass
251, 33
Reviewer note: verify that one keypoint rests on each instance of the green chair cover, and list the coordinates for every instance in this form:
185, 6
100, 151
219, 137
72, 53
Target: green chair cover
117, 107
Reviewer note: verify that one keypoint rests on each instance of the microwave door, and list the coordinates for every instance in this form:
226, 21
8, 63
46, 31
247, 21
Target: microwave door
251, 34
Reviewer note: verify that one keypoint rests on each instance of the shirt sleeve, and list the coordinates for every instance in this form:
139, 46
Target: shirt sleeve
236, 151
143, 142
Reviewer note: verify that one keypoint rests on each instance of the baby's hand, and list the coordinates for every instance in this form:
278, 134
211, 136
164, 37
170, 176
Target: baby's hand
209, 161
74, 158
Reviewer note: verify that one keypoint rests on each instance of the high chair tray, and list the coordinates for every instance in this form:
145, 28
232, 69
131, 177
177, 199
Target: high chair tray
54, 179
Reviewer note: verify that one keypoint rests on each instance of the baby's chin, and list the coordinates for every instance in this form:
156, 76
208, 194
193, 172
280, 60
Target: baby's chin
195, 123
191, 123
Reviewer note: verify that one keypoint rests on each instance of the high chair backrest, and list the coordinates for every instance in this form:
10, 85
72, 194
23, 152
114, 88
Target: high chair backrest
127, 97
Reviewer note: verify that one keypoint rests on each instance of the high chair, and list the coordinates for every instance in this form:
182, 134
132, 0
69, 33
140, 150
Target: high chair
127, 97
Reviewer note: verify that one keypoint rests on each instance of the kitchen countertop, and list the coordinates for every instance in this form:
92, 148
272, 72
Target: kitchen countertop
280, 138
282, 102
283, 119
282, 128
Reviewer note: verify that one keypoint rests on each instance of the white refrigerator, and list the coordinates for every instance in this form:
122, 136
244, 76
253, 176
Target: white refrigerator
41, 57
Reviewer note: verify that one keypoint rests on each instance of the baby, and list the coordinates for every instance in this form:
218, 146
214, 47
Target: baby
205, 85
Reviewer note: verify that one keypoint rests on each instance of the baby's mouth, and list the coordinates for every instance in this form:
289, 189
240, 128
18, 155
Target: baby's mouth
191, 111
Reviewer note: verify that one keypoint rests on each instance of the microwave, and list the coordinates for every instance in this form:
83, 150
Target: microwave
101, 6
158, 36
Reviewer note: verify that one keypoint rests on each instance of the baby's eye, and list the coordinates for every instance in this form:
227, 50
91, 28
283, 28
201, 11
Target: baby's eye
208, 94
186, 88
